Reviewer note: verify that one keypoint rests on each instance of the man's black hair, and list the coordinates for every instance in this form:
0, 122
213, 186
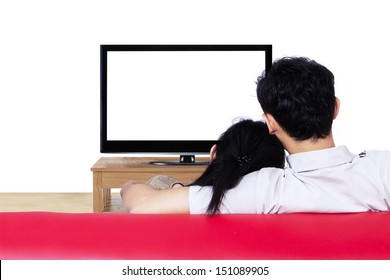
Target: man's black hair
299, 93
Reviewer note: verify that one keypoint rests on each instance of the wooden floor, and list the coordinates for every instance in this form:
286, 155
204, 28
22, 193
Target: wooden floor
55, 202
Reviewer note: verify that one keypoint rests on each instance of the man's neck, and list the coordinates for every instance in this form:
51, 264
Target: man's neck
293, 146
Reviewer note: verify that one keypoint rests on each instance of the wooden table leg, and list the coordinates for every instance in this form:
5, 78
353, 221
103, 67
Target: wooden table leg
98, 204
106, 197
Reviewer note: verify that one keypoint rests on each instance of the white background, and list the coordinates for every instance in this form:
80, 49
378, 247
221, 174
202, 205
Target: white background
49, 69
278, 269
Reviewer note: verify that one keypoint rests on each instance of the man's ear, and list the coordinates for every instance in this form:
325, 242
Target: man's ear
271, 123
213, 152
336, 108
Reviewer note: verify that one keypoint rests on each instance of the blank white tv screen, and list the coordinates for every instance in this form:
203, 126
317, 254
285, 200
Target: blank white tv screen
180, 95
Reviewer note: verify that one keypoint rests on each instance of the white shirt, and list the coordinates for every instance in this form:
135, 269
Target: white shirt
328, 181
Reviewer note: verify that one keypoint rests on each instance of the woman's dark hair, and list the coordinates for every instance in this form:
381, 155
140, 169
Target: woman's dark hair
299, 94
245, 147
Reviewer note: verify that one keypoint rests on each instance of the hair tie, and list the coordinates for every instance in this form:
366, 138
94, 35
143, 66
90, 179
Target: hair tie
244, 162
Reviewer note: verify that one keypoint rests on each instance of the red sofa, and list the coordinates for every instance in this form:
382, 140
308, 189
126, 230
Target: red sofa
44, 235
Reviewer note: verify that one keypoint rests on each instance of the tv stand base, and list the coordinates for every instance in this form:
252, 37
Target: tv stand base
188, 160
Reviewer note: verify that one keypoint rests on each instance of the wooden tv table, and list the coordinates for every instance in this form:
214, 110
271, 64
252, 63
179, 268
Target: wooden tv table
114, 172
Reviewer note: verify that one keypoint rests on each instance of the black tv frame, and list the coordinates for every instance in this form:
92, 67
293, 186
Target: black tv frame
182, 147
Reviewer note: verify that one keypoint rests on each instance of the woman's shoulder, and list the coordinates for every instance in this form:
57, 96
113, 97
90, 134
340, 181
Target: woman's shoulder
264, 176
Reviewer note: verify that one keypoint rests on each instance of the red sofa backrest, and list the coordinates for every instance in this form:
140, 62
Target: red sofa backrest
43, 235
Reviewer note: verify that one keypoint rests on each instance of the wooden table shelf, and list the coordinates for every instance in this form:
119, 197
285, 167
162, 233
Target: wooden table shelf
114, 172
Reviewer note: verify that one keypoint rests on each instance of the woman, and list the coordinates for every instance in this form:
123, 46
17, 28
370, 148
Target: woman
245, 147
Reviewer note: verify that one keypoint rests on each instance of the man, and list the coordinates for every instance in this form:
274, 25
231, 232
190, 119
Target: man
299, 103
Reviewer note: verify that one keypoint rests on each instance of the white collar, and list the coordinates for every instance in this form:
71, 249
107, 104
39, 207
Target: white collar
319, 159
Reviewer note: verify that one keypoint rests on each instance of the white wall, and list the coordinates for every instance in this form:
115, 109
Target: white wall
49, 70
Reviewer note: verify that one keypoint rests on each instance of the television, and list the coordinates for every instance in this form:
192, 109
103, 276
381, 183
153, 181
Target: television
176, 99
